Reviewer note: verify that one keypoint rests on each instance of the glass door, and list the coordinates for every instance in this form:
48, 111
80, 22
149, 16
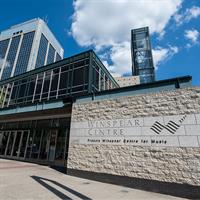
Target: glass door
4, 136
61, 147
23, 144
52, 146
13, 143
36, 144
18, 136
11, 139
44, 145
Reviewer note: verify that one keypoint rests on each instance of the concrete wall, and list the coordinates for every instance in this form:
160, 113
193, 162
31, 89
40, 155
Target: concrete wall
174, 164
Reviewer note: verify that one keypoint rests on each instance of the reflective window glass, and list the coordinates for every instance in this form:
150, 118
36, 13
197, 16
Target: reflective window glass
51, 54
78, 78
11, 57
42, 51
58, 57
3, 49
24, 53
63, 80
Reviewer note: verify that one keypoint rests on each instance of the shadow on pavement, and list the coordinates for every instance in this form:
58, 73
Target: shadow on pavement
61, 195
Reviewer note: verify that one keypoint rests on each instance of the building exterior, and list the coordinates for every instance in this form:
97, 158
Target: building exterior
142, 60
143, 136
128, 80
73, 114
27, 46
42, 135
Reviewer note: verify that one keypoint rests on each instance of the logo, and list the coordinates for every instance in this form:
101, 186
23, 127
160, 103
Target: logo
171, 126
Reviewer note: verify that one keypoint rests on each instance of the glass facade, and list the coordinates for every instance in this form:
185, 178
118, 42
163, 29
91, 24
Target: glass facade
51, 54
24, 53
58, 57
11, 57
43, 136
42, 52
27, 46
101, 79
80, 74
3, 49
44, 141
141, 55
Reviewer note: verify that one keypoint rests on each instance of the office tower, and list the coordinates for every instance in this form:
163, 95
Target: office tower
27, 46
142, 60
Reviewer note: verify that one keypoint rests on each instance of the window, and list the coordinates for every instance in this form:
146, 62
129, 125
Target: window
79, 64
78, 78
38, 87
3, 49
51, 54
24, 54
63, 80
102, 81
54, 83
140, 44
46, 85
42, 51
96, 79
22, 90
140, 36
11, 57
58, 57
106, 83
14, 94
86, 69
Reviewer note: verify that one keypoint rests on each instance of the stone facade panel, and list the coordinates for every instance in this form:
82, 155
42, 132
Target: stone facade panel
167, 164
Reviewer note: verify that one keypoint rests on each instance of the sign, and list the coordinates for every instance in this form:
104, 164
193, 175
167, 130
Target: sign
176, 130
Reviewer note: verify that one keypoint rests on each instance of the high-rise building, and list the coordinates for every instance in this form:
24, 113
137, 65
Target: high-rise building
27, 46
142, 60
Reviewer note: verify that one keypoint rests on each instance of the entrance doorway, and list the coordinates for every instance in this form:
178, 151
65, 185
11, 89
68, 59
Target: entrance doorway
41, 141
13, 143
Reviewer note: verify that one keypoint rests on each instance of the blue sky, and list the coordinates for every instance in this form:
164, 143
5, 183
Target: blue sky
105, 25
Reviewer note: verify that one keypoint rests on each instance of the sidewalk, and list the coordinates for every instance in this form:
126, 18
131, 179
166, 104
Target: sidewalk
24, 181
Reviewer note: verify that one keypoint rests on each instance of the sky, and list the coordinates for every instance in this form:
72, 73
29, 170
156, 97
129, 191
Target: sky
105, 26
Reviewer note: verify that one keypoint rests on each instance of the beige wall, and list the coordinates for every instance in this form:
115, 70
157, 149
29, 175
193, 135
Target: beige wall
128, 80
169, 164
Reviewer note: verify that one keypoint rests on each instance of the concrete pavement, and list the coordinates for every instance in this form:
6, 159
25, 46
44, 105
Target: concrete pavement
24, 181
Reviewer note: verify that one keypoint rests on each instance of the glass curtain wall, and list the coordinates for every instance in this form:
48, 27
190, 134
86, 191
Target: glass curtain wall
42, 51
45, 141
51, 54
101, 79
3, 49
11, 57
24, 53
71, 78
142, 55
52, 84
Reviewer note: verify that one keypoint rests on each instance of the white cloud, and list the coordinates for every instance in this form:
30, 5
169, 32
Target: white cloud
190, 13
193, 12
162, 54
107, 24
192, 35
121, 58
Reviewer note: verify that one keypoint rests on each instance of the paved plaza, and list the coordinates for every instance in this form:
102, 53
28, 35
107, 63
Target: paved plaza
22, 180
